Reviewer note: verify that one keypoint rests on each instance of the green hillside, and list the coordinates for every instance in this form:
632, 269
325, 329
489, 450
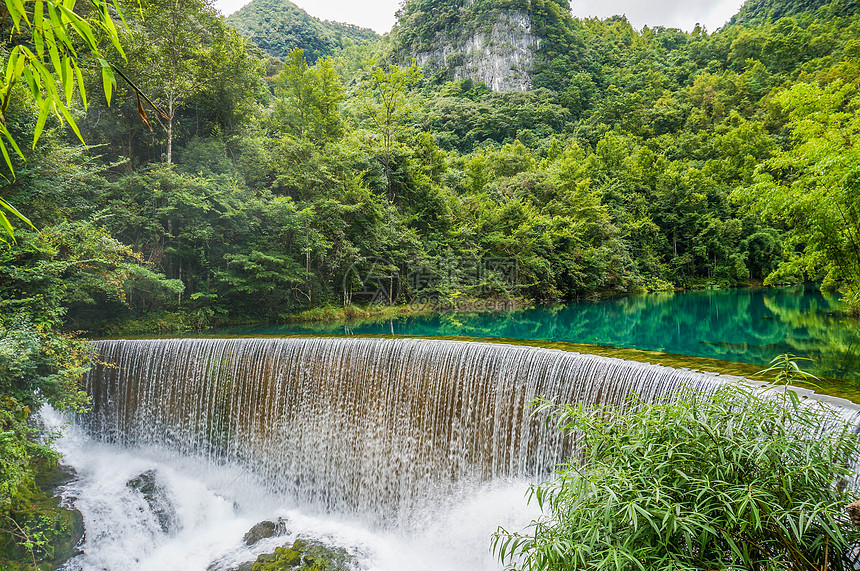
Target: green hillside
761, 11
637, 162
277, 26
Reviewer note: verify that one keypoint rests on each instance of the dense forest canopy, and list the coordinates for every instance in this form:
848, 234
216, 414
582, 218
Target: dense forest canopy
761, 11
643, 159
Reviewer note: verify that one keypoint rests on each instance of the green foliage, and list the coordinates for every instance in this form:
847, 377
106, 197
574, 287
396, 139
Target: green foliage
642, 160
159, 322
178, 49
386, 104
205, 78
308, 99
279, 26
787, 372
812, 186
737, 480
760, 11
37, 365
67, 267
72, 265
464, 123
6, 224
613, 175
49, 34
36, 532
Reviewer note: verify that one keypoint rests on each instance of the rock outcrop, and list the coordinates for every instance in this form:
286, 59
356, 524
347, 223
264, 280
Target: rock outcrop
157, 498
500, 55
265, 530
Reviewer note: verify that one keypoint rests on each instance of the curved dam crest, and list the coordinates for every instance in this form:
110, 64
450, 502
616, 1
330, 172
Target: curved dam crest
372, 427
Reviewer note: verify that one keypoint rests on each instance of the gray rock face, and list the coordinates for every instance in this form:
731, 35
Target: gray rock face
500, 55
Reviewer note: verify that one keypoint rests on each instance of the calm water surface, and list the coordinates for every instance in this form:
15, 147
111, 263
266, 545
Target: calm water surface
746, 325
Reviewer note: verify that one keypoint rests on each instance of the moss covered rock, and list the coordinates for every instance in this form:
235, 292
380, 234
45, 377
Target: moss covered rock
44, 530
306, 556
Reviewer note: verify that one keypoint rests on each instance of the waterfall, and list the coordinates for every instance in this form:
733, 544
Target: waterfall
371, 427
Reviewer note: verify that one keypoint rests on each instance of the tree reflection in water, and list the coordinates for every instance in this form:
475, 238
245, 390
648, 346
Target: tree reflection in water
745, 325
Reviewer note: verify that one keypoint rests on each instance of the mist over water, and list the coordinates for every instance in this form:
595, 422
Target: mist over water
214, 506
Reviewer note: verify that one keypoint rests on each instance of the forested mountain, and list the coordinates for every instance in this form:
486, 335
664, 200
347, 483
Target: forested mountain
278, 26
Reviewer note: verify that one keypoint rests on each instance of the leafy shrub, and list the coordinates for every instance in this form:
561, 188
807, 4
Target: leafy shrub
737, 480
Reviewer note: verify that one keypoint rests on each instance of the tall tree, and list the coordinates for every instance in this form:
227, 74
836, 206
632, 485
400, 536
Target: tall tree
309, 98
177, 49
385, 100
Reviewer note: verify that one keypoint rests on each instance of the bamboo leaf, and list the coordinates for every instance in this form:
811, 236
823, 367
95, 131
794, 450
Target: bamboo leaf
19, 7
45, 74
5, 153
44, 107
108, 80
68, 80
38, 15
11, 64
12, 142
81, 87
110, 29
85, 31
59, 21
7, 227
65, 111
33, 83
39, 42
54, 54
13, 210
16, 12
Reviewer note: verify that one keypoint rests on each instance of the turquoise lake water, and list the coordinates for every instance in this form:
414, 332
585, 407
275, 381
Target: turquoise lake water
746, 325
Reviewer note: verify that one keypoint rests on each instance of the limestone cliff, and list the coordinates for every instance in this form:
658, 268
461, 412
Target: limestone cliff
492, 41
501, 56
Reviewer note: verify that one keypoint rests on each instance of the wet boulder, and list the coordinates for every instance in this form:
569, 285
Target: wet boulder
158, 499
265, 530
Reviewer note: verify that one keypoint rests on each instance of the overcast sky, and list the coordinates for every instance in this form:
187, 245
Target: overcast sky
379, 14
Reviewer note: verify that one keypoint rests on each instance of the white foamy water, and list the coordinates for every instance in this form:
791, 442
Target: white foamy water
408, 454
211, 508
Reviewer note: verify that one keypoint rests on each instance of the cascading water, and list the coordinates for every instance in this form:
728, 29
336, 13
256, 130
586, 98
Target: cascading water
429, 444
366, 426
